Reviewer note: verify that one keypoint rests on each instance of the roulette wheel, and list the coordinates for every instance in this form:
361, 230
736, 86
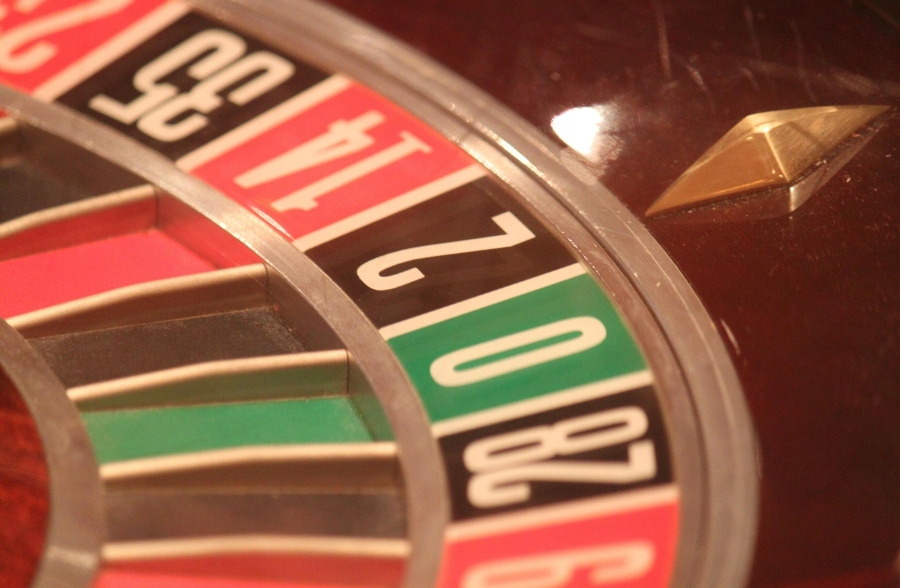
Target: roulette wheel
581, 294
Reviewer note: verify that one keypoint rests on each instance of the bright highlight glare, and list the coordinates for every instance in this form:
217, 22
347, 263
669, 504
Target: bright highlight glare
581, 128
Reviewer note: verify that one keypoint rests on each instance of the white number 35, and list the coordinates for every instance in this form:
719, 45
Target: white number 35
166, 115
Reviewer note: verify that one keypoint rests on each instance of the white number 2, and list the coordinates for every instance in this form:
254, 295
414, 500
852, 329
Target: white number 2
504, 465
164, 114
514, 232
607, 564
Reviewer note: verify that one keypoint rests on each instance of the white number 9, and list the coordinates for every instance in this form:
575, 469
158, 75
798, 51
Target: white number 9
607, 564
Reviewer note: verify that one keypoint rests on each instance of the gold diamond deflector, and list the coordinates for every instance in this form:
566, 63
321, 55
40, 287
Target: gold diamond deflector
764, 150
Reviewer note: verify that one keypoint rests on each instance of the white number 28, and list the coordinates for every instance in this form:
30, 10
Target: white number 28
504, 465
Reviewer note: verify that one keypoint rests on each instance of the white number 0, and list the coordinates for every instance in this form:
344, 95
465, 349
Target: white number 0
449, 370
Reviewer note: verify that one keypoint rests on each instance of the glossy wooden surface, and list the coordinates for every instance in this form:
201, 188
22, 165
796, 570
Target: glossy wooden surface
809, 302
23, 490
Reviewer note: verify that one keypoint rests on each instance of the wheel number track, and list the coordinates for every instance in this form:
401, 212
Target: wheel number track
562, 438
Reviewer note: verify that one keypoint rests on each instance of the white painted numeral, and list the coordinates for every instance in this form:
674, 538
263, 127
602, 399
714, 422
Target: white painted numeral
450, 369
305, 198
343, 138
15, 58
605, 565
268, 70
221, 48
164, 114
514, 233
504, 465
